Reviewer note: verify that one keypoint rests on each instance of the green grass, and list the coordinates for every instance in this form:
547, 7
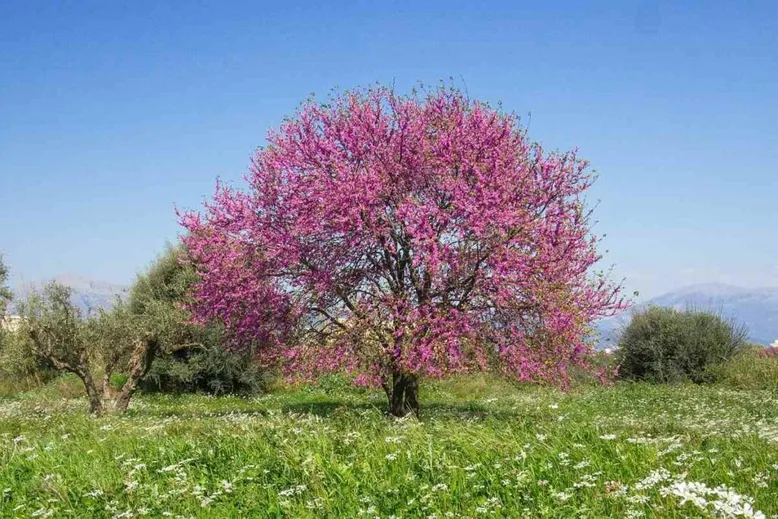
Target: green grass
482, 449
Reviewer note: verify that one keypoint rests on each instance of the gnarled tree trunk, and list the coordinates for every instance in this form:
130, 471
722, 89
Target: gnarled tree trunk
138, 366
79, 366
403, 394
95, 402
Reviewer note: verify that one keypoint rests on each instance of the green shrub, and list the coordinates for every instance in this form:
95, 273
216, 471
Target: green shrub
666, 345
194, 360
117, 380
207, 369
747, 369
20, 368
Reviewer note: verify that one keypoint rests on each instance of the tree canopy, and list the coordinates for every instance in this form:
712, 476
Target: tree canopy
398, 236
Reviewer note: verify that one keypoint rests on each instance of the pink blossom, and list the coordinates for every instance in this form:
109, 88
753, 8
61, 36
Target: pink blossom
423, 234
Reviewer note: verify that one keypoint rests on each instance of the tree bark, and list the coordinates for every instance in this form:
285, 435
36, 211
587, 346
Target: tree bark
79, 367
404, 398
140, 362
95, 402
108, 391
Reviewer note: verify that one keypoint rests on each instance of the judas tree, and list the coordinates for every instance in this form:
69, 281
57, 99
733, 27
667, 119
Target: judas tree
404, 236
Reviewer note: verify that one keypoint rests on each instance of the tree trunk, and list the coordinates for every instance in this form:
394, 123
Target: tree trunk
140, 362
95, 402
121, 401
405, 394
108, 392
80, 368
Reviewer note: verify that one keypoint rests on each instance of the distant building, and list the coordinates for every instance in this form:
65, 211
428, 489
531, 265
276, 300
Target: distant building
11, 323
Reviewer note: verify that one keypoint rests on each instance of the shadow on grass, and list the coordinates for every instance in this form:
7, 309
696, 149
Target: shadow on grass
332, 409
324, 406
193, 413
430, 410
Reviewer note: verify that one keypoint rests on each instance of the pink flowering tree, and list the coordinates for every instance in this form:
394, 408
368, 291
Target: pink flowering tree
393, 237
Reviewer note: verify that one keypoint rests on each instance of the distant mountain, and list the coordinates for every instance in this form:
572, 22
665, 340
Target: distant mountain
88, 295
756, 308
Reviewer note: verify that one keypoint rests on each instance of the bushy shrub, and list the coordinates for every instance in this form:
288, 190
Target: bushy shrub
747, 369
667, 345
20, 371
20, 368
197, 362
206, 369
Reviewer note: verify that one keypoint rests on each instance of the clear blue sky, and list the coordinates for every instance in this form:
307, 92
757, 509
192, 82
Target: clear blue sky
112, 113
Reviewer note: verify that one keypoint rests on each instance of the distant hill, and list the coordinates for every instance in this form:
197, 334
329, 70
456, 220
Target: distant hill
757, 308
88, 295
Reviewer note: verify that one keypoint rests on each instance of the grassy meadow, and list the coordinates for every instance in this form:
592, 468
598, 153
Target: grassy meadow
482, 449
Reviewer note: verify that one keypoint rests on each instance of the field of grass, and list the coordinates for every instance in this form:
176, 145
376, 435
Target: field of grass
482, 449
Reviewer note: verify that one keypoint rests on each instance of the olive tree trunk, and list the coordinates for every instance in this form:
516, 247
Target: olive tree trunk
137, 367
95, 402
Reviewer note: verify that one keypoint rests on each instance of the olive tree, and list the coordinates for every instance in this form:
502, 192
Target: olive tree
122, 340
56, 332
150, 322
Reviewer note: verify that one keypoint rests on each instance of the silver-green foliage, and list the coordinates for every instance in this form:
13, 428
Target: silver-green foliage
18, 365
192, 357
667, 345
54, 332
